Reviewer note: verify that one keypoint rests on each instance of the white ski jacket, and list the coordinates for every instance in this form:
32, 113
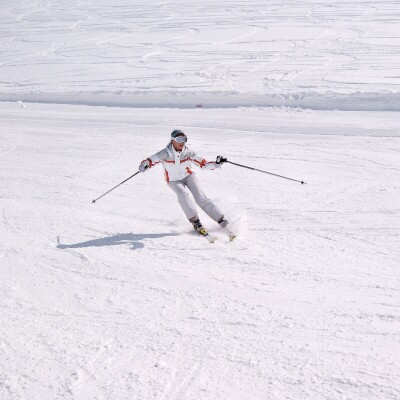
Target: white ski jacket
177, 165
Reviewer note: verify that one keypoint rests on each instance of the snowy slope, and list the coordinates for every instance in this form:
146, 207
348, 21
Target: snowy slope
120, 300
316, 54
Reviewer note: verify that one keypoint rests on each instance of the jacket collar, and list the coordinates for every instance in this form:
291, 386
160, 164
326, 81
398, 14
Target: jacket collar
171, 151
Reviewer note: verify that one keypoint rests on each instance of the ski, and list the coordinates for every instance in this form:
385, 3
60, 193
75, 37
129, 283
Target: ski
211, 239
232, 235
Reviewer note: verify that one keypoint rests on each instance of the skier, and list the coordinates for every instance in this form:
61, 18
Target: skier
177, 160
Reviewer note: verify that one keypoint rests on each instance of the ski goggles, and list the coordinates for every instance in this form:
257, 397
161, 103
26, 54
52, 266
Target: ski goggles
180, 139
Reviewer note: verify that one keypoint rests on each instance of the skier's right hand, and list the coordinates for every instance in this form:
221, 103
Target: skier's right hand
144, 165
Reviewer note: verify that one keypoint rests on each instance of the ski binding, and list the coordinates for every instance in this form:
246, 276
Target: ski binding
211, 239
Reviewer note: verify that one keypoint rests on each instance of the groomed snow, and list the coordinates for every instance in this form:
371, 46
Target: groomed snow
120, 300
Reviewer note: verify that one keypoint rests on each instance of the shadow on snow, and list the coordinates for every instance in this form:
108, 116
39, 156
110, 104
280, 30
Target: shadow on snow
123, 238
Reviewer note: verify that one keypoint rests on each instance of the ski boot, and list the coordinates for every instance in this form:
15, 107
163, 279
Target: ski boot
198, 227
224, 224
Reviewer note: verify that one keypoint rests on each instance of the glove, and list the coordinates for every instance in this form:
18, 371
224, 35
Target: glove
144, 165
220, 160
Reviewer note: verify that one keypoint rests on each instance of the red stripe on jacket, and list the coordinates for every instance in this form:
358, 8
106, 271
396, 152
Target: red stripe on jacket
202, 163
151, 164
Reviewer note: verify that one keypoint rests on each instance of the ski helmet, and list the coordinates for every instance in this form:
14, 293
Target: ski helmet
177, 132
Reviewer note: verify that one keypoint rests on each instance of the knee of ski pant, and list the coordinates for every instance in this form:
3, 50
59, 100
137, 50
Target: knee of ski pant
184, 199
184, 194
202, 200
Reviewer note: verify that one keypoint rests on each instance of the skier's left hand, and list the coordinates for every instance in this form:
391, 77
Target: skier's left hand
220, 160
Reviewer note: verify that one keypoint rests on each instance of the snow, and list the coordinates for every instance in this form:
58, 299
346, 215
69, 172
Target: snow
120, 299
313, 54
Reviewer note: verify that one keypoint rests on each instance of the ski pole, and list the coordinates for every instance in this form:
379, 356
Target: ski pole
265, 172
119, 184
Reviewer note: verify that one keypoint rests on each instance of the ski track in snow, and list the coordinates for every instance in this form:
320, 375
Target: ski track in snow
120, 300
313, 54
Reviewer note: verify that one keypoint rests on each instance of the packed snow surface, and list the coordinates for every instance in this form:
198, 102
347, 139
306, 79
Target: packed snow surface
121, 300
315, 54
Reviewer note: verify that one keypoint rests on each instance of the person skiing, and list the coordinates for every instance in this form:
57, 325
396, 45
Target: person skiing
177, 161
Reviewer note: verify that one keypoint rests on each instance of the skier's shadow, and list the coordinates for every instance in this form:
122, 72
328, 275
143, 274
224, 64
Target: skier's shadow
135, 240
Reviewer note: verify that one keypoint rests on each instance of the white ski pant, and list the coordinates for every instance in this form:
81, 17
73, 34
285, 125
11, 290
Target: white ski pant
182, 188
